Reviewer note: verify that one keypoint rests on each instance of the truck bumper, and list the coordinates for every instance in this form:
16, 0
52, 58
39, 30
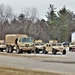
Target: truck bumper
27, 48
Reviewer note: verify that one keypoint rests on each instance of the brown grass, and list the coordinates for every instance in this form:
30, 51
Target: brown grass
14, 71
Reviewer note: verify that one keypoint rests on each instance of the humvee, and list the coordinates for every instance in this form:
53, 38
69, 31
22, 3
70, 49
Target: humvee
19, 43
2, 45
55, 47
39, 45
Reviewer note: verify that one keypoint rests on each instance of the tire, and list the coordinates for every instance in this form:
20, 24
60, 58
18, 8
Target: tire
7, 49
36, 50
10, 49
70, 49
54, 51
44, 51
18, 50
64, 52
30, 51
21, 51
1, 50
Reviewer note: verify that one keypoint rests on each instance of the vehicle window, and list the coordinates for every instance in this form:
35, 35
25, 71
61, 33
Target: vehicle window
23, 39
53, 44
1, 43
41, 44
36, 44
47, 45
72, 43
29, 40
59, 44
20, 40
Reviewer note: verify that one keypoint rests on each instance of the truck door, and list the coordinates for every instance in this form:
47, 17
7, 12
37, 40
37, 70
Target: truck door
22, 41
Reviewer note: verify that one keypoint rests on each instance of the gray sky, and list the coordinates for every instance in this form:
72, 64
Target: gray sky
41, 5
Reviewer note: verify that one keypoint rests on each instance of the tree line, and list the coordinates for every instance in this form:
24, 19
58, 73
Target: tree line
59, 25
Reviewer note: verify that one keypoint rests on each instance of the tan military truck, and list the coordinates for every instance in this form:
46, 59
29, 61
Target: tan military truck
55, 47
39, 45
2, 45
19, 43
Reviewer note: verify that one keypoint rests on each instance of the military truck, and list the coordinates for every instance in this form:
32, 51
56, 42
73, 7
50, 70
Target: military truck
55, 47
19, 43
2, 45
39, 45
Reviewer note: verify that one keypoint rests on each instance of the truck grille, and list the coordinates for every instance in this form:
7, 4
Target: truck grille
26, 45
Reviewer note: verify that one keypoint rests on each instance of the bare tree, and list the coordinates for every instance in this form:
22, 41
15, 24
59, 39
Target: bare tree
5, 15
2, 8
8, 13
27, 13
33, 14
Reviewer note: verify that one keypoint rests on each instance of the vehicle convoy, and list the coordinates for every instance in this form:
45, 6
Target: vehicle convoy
39, 45
72, 46
19, 43
2, 45
55, 47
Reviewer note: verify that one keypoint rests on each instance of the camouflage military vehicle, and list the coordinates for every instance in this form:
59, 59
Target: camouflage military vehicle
55, 47
19, 43
2, 45
39, 45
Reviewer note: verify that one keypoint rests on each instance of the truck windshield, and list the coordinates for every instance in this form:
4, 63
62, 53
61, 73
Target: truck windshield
23, 39
26, 40
29, 40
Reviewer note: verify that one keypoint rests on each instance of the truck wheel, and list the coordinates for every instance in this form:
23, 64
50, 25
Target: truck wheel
64, 52
54, 51
70, 49
7, 49
21, 51
17, 50
36, 50
44, 52
1, 50
30, 51
10, 49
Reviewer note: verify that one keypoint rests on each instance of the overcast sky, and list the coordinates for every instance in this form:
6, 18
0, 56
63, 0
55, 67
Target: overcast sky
41, 5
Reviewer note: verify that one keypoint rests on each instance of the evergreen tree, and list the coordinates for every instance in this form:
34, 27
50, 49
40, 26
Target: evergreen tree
59, 26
